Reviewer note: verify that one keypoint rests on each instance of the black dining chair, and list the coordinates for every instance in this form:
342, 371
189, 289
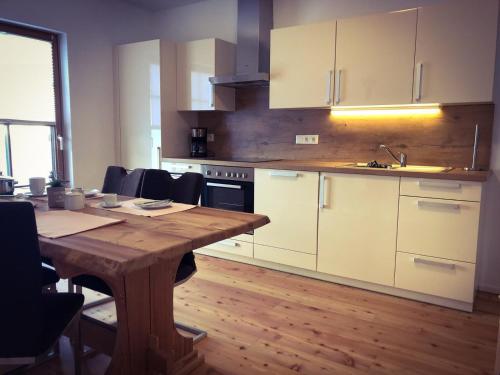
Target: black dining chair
30, 321
49, 279
159, 184
132, 183
113, 179
117, 181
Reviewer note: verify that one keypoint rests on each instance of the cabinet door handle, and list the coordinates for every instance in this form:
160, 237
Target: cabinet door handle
338, 77
439, 185
60, 142
182, 168
229, 243
418, 81
283, 174
423, 204
428, 262
322, 192
212, 96
159, 156
329, 87
225, 186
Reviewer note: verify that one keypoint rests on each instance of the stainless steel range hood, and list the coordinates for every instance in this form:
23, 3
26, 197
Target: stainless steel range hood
255, 21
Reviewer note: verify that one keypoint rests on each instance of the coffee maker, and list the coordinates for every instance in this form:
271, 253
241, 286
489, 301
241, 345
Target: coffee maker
198, 142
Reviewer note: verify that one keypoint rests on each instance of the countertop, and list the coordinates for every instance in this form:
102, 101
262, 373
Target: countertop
340, 167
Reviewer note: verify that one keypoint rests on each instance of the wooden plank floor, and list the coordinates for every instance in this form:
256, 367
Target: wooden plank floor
267, 322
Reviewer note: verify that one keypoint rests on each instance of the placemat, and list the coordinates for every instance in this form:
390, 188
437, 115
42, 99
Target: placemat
45, 198
128, 207
61, 223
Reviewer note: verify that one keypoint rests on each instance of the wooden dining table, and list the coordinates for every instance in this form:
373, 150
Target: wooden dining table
138, 258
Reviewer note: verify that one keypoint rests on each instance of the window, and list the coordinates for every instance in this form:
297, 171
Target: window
30, 113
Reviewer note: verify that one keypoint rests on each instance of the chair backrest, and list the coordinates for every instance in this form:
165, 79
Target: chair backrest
132, 183
20, 279
113, 179
159, 184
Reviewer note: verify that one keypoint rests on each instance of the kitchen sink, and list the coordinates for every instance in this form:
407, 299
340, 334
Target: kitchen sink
408, 168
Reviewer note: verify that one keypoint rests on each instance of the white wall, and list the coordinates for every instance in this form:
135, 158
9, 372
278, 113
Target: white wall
297, 12
207, 19
92, 27
218, 18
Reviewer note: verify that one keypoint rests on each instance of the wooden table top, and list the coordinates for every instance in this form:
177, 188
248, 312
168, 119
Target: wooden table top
142, 241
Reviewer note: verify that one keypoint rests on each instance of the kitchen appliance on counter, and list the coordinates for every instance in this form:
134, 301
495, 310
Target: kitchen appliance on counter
6, 185
198, 142
228, 188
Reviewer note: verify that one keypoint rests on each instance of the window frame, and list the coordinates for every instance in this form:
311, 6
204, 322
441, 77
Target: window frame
54, 39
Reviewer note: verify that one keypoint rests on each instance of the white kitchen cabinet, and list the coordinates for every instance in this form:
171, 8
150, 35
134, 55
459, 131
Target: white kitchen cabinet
285, 257
455, 52
138, 93
178, 168
435, 276
375, 59
443, 189
289, 198
233, 246
357, 226
196, 62
438, 227
302, 63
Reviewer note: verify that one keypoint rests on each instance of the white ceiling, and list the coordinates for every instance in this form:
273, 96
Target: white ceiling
161, 4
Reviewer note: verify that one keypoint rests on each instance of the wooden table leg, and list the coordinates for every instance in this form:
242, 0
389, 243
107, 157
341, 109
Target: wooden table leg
147, 341
176, 350
133, 316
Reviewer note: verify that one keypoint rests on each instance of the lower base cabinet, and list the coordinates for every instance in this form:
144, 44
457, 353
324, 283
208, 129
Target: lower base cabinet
435, 276
357, 226
410, 237
285, 257
241, 245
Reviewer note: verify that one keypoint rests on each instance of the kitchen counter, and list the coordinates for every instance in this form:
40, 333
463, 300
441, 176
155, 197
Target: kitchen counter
340, 167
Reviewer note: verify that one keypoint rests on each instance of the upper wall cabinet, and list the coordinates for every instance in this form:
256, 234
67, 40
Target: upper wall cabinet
302, 63
455, 55
196, 62
375, 59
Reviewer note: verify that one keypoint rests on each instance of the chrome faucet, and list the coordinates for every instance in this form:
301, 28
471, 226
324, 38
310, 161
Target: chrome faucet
402, 156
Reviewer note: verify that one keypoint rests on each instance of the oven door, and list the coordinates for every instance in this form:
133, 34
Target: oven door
228, 195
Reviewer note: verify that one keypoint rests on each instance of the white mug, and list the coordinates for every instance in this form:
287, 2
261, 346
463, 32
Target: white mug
110, 199
74, 201
37, 185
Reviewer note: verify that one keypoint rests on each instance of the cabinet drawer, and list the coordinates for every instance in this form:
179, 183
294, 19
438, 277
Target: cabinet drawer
286, 257
459, 190
437, 227
244, 237
434, 276
233, 247
180, 167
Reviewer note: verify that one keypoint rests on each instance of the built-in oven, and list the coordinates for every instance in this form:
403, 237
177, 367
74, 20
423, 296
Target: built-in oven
227, 188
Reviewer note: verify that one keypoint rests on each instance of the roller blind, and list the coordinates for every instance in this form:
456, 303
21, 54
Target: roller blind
26, 79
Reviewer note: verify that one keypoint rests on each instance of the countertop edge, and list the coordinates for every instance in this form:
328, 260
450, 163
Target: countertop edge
339, 167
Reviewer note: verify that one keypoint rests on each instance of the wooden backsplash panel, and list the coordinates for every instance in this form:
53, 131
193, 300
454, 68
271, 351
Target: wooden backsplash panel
254, 130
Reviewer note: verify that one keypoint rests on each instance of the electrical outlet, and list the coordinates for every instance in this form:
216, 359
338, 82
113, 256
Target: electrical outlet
307, 139
210, 137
